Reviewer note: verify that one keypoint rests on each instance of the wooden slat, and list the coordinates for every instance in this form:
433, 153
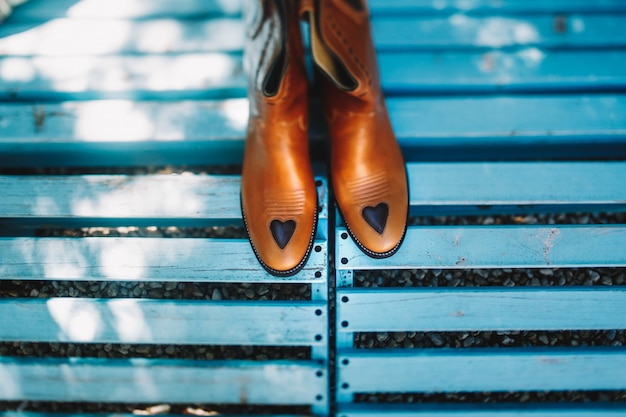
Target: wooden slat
593, 119
488, 6
103, 9
74, 320
201, 132
194, 75
145, 259
105, 133
123, 200
136, 9
530, 127
151, 122
71, 36
485, 309
160, 381
563, 186
526, 70
220, 75
461, 31
199, 197
427, 247
476, 370
196, 199
481, 410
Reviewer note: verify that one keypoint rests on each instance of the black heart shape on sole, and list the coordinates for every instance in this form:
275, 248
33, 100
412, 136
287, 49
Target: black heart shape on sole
376, 217
282, 231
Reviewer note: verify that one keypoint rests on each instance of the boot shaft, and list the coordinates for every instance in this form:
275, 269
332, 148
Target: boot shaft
343, 49
274, 59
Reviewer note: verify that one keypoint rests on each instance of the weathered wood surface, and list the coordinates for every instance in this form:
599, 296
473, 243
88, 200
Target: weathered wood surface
77, 320
142, 9
144, 259
517, 120
203, 199
219, 75
454, 247
566, 186
138, 133
484, 309
478, 370
161, 381
72, 36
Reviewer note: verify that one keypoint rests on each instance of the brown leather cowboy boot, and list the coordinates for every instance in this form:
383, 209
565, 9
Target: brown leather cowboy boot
367, 168
278, 194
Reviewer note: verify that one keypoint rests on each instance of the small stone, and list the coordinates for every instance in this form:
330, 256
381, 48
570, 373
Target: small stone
382, 337
216, 295
508, 341
483, 273
611, 335
469, 341
399, 336
142, 349
436, 339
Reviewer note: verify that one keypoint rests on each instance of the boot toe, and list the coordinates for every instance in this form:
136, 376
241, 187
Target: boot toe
375, 210
378, 230
281, 244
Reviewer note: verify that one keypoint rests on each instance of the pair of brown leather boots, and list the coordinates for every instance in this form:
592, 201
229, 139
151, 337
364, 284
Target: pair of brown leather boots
278, 192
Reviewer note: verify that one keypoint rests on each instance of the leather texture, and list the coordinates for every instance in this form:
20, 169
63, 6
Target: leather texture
367, 167
278, 192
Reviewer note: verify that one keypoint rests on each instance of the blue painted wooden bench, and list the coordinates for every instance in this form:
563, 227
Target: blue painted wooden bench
114, 200
503, 188
501, 107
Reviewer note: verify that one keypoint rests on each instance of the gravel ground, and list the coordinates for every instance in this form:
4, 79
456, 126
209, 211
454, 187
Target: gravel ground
246, 291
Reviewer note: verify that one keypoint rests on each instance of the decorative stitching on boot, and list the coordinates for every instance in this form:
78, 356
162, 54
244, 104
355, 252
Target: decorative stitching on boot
284, 203
307, 254
266, 44
350, 51
368, 190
